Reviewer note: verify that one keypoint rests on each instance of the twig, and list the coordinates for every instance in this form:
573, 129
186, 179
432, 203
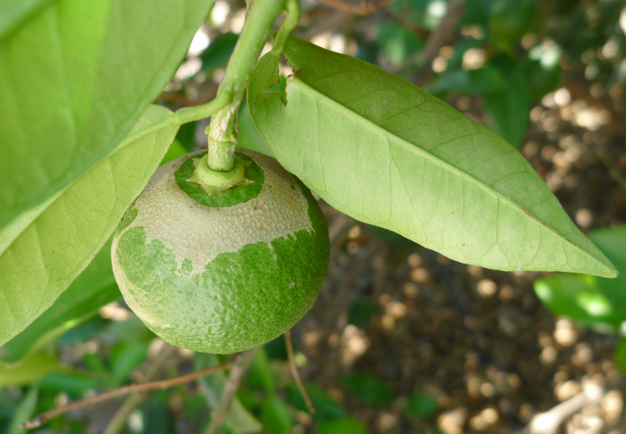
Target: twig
334, 19
238, 369
366, 7
162, 384
295, 374
613, 168
550, 421
155, 366
442, 35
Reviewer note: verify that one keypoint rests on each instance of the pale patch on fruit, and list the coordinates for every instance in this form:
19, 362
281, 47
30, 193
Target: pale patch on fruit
167, 214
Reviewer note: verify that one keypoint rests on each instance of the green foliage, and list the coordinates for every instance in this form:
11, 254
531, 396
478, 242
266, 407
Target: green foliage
421, 405
387, 153
237, 418
249, 137
218, 52
125, 356
361, 312
325, 406
344, 426
590, 300
24, 411
509, 20
398, 42
33, 368
60, 79
620, 356
486, 80
50, 247
276, 417
94, 288
260, 376
369, 389
509, 108
76, 151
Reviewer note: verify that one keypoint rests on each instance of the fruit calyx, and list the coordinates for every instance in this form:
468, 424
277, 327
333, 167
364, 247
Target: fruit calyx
222, 189
215, 181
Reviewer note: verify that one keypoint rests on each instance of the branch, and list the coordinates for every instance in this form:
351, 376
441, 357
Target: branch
366, 7
442, 35
295, 374
119, 419
550, 421
163, 384
238, 369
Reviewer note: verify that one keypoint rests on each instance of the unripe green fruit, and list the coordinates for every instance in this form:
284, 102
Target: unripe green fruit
227, 277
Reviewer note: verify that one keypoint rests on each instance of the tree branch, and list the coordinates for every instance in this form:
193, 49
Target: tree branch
442, 35
366, 7
162, 384
294, 372
152, 370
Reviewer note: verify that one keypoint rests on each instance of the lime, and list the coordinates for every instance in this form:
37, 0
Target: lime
221, 272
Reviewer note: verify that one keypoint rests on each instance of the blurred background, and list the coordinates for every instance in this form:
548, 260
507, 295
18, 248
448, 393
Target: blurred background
401, 339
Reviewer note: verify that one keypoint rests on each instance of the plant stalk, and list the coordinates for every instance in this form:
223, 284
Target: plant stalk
223, 131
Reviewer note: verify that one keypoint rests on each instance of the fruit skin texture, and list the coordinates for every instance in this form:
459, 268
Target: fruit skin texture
221, 279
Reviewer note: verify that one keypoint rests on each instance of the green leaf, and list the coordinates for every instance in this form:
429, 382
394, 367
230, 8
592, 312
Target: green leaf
421, 405
94, 288
249, 137
238, 418
176, 150
477, 81
74, 78
33, 368
218, 52
398, 42
361, 312
620, 356
25, 410
343, 426
509, 20
509, 109
126, 355
369, 389
56, 246
276, 417
74, 384
590, 300
325, 406
260, 376
387, 153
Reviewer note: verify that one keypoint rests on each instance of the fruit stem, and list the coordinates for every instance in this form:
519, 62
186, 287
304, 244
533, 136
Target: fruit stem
292, 17
223, 132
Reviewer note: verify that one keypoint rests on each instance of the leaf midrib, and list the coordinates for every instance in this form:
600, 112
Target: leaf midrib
294, 79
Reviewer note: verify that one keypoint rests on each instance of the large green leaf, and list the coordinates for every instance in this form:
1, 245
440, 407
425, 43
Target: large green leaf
75, 76
590, 300
54, 248
387, 153
94, 288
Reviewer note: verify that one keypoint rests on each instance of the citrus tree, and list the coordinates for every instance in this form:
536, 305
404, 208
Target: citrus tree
226, 249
